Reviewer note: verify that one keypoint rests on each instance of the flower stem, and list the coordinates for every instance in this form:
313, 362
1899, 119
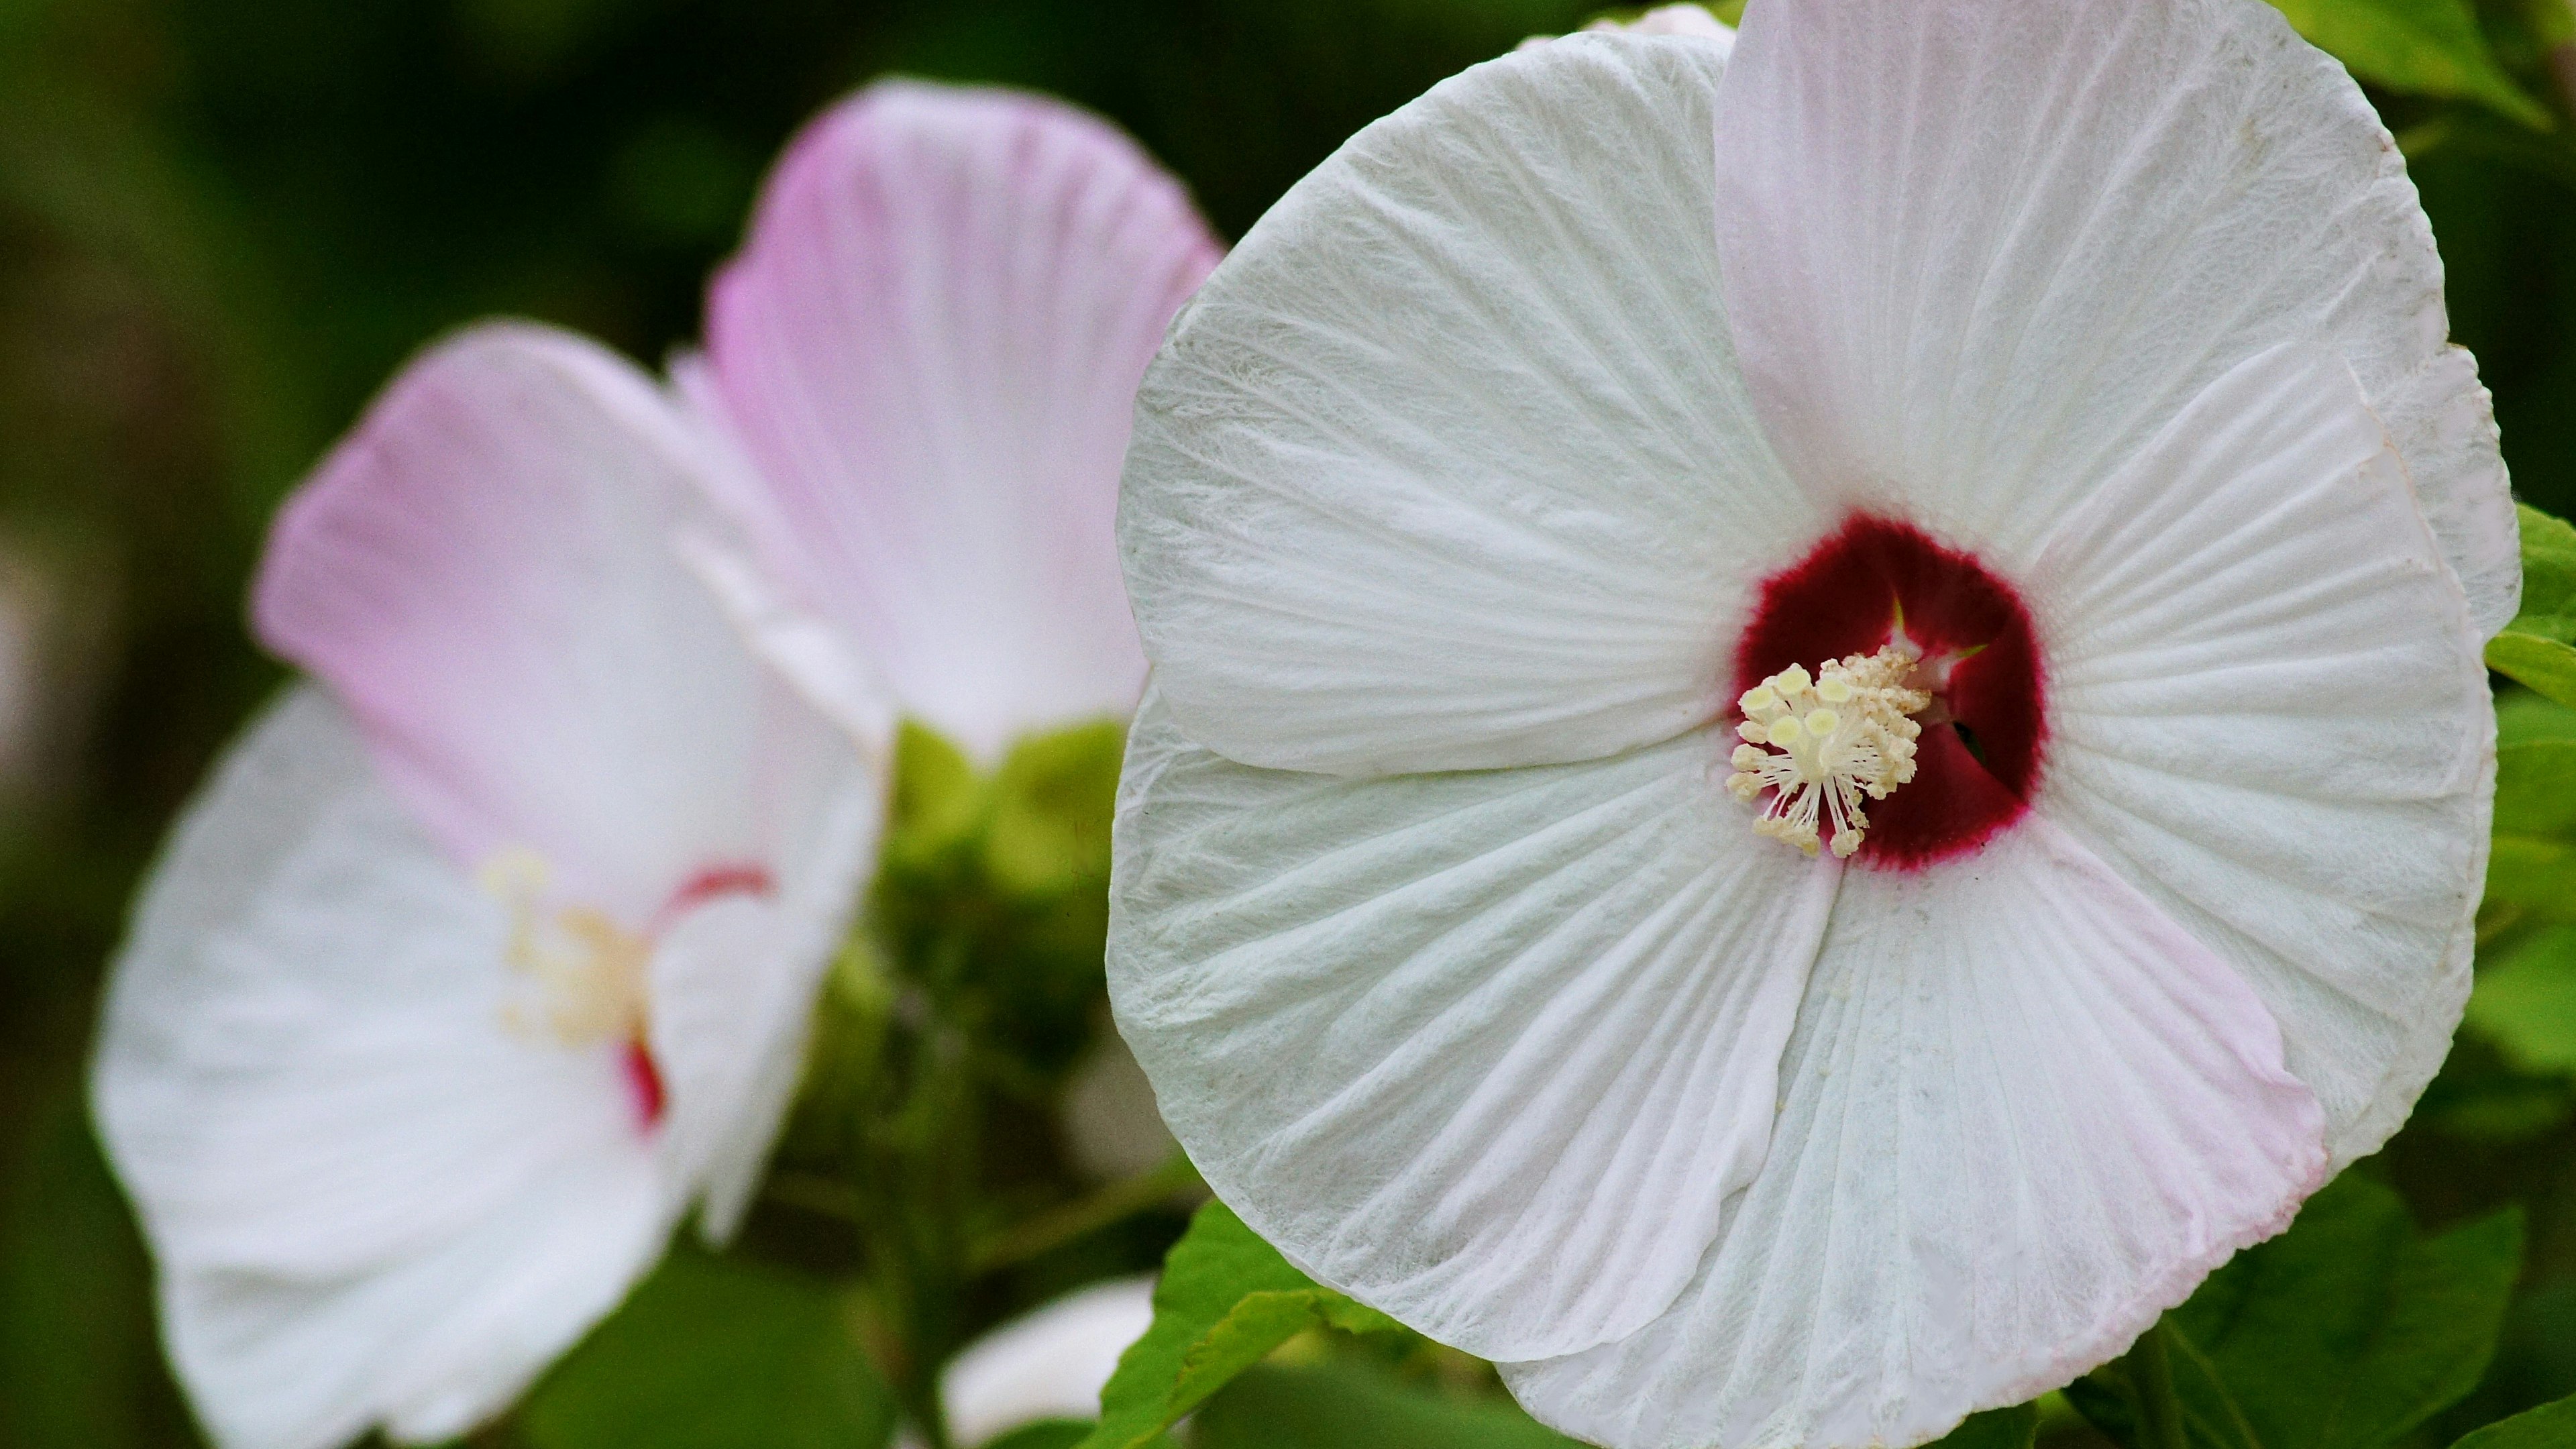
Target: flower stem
1116, 1201
2149, 1366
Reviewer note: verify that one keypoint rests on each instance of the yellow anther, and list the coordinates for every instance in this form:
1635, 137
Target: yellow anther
1831, 759
590, 974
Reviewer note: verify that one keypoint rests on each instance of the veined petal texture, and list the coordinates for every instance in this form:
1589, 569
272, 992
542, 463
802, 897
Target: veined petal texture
2270, 714
928, 352
2023, 1114
1486, 1050
1978, 252
367, 1201
1448, 466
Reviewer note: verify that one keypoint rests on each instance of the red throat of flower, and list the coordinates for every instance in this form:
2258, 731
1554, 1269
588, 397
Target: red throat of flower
1876, 582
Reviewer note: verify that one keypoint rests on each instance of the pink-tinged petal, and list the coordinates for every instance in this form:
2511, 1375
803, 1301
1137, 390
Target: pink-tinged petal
2270, 713
929, 350
485, 573
1449, 466
369, 1198
2023, 1113
1488, 1050
1978, 252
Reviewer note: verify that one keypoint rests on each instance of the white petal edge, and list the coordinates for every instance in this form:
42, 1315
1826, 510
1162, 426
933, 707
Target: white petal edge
1977, 252
1448, 466
2269, 712
369, 1201
2023, 1114
1484, 1050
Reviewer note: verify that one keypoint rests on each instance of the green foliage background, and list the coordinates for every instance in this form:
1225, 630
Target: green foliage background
223, 223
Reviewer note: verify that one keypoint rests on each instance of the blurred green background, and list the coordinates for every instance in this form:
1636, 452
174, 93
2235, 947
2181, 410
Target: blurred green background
223, 223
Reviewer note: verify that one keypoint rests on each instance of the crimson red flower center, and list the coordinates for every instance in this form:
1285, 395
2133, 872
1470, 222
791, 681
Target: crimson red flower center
1875, 582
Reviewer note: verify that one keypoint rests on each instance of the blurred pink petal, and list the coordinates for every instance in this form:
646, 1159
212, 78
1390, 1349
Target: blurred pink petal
928, 351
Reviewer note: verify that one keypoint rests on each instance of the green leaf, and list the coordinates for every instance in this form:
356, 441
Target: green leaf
2431, 47
2526, 1003
1053, 801
2346, 1332
1342, 1405
2548, 576
938, 802
2535, 874
2542, 665
1226, 1299
2551, 1426
2536, 788
2012, 1428
1045, 1434
710, 1353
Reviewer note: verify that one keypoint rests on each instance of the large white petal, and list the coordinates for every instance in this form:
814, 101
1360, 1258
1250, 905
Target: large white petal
929, 350
1486, 1050
1449, 465
2023, 1114
2268, 710
1977, 252
367, 1195
485, 572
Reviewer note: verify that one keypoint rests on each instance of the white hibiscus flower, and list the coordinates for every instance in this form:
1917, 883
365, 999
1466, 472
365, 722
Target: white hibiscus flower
2026, 428
487, 957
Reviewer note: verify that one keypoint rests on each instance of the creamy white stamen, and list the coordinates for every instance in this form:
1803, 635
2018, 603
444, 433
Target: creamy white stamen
1822, 743
589, 972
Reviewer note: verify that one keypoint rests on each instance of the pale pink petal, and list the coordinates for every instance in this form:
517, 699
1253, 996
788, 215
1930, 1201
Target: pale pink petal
2269, 712
2023, 1114
929, 350
369, 1198
485, 573
1486, 1050
1978, 252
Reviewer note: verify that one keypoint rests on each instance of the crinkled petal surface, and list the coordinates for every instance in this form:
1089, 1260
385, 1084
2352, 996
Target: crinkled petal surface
1978, 252
1485, 1050
2023, 1113
929, 351
1449, 465
368, 1201
2271, 715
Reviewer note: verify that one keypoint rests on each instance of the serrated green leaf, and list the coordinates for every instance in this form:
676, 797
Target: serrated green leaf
2346, 1332
709, 1354
2526, 1003
2536, 789
2544, 666
2548, 575
2430, 47
1338, 1405
2551, 1426
1225, 1300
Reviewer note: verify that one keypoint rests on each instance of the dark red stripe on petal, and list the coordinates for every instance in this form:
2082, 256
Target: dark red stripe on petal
1850, 595
713, 883
644, 1081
